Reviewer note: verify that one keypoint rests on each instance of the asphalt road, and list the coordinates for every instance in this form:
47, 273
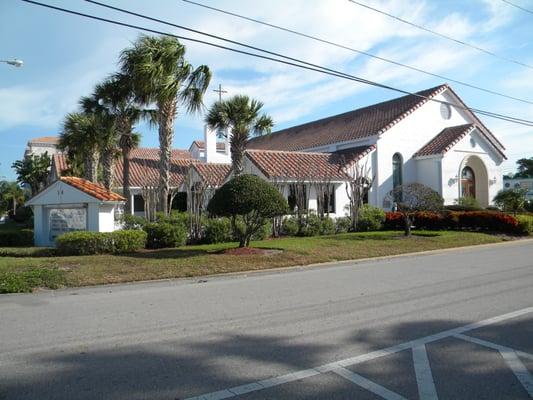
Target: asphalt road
455, 325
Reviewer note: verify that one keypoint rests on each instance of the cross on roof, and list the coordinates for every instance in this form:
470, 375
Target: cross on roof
220, 91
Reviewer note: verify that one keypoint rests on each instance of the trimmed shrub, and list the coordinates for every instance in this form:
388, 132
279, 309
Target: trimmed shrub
217, 230
162, 235
342, 224
16, 238
312, 225
289, 226
86, 243
458, 207
370, 218
525, 224
468, 220
468, 202
130, 222
127, 241
327, 226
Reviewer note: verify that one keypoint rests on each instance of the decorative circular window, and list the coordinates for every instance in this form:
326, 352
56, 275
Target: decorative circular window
507, 185
445, 111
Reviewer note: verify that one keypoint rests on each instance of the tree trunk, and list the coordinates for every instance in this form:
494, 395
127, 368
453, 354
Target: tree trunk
91, 166
408, 223
126, 152
237, 154
14, 205
167, 113
108, 162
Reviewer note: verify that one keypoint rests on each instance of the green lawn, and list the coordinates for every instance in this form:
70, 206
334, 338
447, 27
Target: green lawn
23, 269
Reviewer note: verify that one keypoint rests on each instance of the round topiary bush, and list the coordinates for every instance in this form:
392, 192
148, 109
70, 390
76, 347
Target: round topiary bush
250, 198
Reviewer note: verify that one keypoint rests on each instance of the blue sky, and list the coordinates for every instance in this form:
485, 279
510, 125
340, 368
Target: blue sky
66, 55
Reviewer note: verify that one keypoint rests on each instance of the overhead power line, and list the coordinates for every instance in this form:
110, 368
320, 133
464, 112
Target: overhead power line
299, 64
518, 6
442, 35
365, 53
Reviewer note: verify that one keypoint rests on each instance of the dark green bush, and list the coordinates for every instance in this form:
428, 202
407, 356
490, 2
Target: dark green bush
16, 238
163, 235
327, 226
289, 226
217, 230
312, 225
23, 215
86, 243
370, 218
470, 203
458, 207
343, 224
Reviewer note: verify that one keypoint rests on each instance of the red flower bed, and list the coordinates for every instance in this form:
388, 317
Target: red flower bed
468, 220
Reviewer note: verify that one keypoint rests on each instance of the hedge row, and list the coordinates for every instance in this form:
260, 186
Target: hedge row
468, 220
86, 243
16, 238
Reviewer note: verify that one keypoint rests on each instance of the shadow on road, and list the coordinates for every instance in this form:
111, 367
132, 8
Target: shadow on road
177, 370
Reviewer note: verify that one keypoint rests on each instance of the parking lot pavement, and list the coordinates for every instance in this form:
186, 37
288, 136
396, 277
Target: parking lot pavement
490, 359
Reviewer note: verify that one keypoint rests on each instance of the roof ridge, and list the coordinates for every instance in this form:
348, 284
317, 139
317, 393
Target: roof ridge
287, 151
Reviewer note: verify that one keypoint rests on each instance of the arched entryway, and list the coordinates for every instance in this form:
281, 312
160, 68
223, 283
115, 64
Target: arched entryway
474, 180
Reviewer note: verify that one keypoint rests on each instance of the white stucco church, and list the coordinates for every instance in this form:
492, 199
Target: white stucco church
429, 137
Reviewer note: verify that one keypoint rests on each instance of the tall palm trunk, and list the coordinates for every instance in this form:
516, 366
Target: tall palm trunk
167, 114
126, 153
90, 166
238, 142
108, 164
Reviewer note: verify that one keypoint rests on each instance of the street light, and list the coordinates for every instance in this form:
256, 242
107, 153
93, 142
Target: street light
15, 62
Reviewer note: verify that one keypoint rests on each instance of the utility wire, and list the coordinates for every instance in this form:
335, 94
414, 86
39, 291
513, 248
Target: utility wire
442, 35
517, 6
300, 64
365, 53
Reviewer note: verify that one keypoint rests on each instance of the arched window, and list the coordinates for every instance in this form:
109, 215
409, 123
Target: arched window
397, 173
468, 183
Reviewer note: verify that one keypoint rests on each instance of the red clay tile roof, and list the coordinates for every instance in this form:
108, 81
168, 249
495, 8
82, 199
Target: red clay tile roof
59, 163
92, 189
212, 174
153, 153
201, 145
357, 124
145, 172
297, 164
448, 138
45, 139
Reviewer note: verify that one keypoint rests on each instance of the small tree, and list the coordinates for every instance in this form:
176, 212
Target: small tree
33, 171
512, 200
414, 197
251, 199
357, 189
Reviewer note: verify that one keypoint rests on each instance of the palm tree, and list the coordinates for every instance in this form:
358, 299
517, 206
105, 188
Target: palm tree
107, 134
80, 138
241, 115
161, 76
11, 194
115, 95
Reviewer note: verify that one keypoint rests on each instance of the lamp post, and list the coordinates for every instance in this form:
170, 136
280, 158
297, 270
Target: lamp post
15, 62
